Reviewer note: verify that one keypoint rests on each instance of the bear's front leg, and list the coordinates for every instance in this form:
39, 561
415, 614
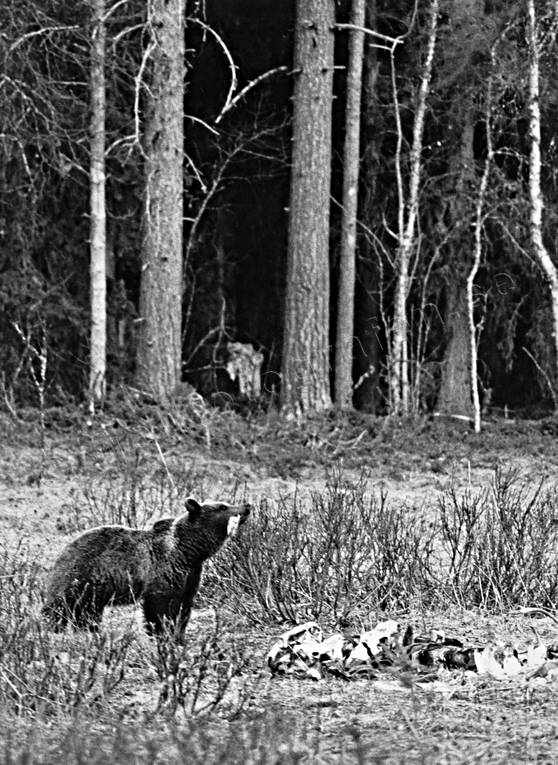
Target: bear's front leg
187, 599
166, 611
163, 614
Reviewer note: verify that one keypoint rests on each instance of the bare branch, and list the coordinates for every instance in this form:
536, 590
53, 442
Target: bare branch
116, 39
202, 122
113, 8
232, 66
247, 88
138, 85
43, 31
196, 172
366, 30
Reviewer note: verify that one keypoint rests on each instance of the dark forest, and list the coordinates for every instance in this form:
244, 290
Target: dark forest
238, 181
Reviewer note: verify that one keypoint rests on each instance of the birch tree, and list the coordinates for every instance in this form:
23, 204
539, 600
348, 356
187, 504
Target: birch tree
158, 367
477, 255
98, 278
305, 361
351, 163
540, 252
407, 219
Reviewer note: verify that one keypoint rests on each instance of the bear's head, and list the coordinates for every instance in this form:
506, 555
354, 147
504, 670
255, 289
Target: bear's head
207, 525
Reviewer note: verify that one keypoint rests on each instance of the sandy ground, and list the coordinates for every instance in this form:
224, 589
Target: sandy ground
47, 497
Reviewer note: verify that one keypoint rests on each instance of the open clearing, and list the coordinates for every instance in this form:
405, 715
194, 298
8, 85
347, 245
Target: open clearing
47, 496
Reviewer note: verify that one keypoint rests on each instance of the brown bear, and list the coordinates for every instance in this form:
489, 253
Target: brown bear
160, 566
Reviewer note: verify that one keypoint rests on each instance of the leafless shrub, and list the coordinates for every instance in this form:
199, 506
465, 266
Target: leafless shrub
42, 673
195, 677
344, 554
130, 500
501, 544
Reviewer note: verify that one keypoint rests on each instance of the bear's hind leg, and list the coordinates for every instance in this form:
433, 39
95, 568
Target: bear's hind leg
82, 611
56, 614
88, 610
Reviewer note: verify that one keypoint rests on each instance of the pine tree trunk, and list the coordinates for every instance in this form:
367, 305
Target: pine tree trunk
455, 388
159, 345
98, 278
347, 265
454, 396
367, 291
305, 364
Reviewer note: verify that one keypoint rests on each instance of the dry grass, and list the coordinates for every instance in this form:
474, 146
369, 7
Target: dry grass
332, 547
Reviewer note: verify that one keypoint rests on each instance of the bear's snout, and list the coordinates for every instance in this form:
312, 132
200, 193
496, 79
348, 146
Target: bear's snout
245, 511
240, 513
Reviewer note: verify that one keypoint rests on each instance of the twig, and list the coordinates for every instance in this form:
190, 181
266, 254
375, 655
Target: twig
228, 56
544, 374
247, 88
113, 8
138, 85
163, 460
43, 31
531, 610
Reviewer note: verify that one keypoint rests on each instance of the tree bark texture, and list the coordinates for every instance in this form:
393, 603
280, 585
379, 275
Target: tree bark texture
98, 221
455, 395
408, 212
542, 256
367, 291
305, 363
455, 388
159, 343
347, 259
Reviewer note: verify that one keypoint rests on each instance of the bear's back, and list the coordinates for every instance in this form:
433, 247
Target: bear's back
104, 551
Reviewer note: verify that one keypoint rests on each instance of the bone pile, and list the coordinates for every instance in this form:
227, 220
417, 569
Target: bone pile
388, 648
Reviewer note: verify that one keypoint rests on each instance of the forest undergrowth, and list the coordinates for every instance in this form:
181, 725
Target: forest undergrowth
335, 545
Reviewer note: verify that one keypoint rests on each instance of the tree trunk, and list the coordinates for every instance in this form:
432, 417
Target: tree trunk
98, 277
305, 364
455, 388
159, 345
454, 396
367, 315
408, 212
351, 163
540, 252
473, 345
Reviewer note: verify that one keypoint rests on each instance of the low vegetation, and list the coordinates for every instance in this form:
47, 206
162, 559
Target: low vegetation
342, 551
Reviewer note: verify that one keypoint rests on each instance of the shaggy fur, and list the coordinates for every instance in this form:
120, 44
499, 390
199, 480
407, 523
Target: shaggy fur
160, 566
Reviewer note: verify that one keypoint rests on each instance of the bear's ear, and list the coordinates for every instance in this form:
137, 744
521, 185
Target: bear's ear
193, 507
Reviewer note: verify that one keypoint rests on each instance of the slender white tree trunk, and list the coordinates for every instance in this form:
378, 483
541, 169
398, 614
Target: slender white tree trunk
476, 263
399, 361
98, 278
351, 163
540, 252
